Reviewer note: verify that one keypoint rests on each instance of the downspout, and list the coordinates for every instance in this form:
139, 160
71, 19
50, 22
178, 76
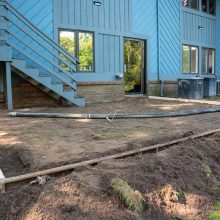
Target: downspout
158, 49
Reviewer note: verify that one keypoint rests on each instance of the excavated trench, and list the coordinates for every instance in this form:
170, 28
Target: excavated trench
12, 162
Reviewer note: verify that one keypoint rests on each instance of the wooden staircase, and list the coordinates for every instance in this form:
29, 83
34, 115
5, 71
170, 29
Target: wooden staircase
46, 82
36, 57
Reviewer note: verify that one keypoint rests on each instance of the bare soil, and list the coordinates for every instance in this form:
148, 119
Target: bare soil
47, 142
181, 182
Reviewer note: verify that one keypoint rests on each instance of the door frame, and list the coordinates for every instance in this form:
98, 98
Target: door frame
144, 63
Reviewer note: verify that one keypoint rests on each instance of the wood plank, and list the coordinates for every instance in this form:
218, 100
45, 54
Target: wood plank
1, 175
2, 184
69, 167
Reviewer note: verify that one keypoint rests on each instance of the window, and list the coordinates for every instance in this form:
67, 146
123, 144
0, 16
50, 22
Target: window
191, 4
85, 51
208, 61
207, 6
190, 59
212, 7
80, 45
194, 4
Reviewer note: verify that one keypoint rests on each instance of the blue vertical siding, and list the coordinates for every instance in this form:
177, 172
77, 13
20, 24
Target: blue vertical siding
191, 32
164, 41
169, 39
117, 18
218, 40
112, 15
109, 53
109, 22
144, 21
39, 12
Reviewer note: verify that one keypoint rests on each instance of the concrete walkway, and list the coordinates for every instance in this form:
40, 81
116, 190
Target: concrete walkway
186, 100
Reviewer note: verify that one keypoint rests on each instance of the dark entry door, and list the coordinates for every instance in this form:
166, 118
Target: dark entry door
134, 66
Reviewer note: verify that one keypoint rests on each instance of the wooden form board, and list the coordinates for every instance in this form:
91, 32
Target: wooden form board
30, 176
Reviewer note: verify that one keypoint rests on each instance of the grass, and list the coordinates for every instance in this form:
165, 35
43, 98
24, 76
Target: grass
217, 98
106, 135
215, 214
129, 197
206, 169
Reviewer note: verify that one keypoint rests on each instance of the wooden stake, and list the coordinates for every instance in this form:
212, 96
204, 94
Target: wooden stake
2, 184
56, 170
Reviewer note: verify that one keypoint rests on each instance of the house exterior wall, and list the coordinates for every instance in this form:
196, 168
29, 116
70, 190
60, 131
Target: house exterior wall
109, 23
207, 37
144, 21
39, 12
112, 15
165, 25
192, 34
218, 39
169, 39
160, 21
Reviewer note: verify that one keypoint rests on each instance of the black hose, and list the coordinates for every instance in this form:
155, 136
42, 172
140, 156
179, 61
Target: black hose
115, 115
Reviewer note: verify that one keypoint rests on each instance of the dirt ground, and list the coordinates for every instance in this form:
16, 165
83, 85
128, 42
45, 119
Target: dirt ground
41, 143
181, 182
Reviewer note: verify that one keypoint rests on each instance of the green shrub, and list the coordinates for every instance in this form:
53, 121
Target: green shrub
215, 214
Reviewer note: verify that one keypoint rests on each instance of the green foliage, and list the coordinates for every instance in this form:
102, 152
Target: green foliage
129, 197
215, 214
186, 54
133, 61
67, 44
206, 169
86, 52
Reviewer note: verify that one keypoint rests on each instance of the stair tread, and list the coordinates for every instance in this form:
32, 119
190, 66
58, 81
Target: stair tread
54, 88
18, 58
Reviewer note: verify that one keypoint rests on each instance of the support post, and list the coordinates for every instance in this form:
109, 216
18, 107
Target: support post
9, 86
2, 185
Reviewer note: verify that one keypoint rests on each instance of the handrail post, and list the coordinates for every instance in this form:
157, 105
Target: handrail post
6, 50
9, 86
3, 23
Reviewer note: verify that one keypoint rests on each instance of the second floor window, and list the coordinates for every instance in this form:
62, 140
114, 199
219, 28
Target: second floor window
207, 6
191, 4
80, 45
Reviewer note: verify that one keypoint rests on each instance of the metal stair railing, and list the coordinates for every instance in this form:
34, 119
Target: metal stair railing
58, 54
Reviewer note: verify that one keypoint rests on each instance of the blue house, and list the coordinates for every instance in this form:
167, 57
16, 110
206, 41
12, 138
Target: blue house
56, 52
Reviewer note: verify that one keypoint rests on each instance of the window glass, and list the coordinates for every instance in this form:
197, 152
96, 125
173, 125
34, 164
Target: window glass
67, 42
86, 51
185, 3
212, 7
80, 45
194, 4
208, 61
204, 60
211, 65
194, 60
186, 59
205, 5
